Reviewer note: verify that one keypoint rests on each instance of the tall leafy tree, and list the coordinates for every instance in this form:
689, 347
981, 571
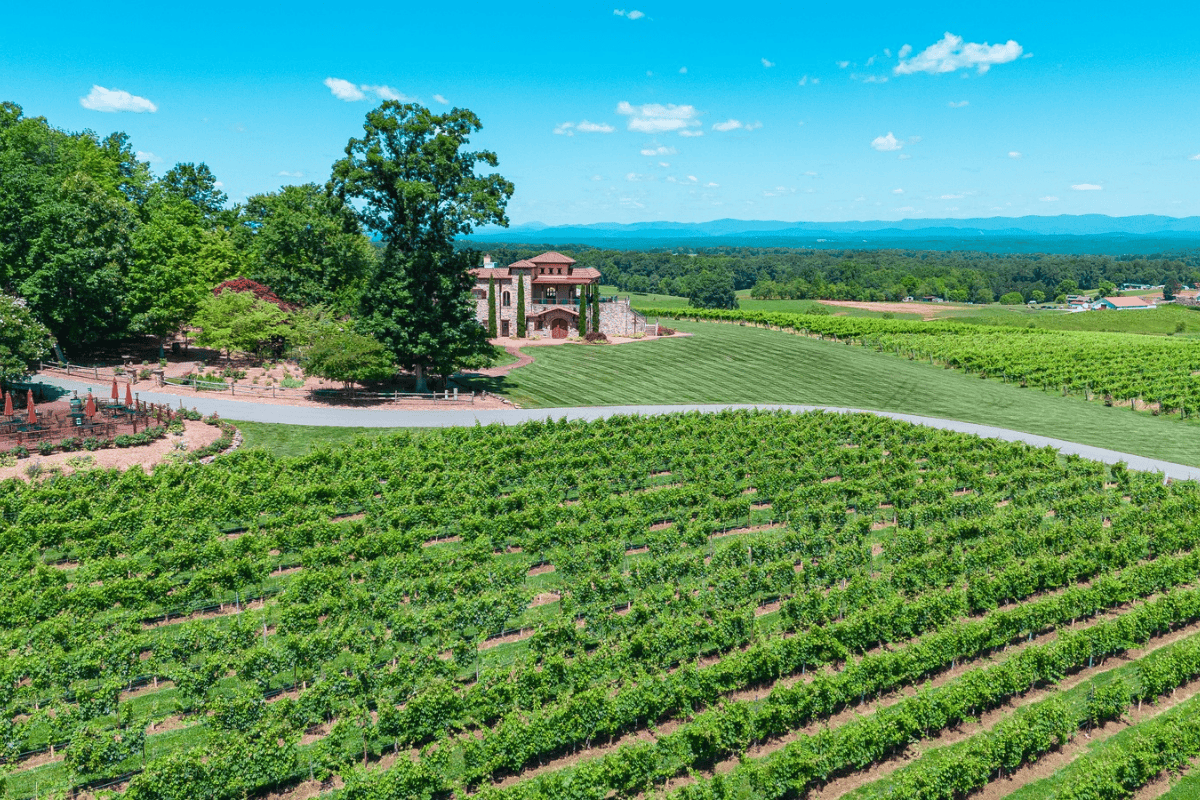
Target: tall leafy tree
420, 190
197, 184
582, 310
595, 290
237, 321
308, 245
177, 259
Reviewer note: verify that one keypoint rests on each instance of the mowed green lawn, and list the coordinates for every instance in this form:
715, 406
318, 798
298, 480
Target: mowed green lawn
734, 364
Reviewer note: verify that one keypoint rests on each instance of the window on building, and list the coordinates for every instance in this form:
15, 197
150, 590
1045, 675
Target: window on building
506, 299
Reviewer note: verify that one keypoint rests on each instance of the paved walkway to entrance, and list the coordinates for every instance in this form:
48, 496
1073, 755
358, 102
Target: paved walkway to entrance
465, 416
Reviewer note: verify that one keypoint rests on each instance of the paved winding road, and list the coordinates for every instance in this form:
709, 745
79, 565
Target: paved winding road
465, 416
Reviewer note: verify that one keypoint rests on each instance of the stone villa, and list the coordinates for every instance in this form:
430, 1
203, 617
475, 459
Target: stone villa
552, 287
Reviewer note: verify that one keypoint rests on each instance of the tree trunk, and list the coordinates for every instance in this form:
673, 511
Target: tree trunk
419, 371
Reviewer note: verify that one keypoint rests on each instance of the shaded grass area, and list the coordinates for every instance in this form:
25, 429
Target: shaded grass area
731, 363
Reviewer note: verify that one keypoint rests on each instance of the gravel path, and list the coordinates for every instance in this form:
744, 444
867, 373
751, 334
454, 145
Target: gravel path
465, 415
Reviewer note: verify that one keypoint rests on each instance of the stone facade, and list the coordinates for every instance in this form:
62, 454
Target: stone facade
552, 288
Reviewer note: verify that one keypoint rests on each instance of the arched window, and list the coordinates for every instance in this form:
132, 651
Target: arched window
506, 299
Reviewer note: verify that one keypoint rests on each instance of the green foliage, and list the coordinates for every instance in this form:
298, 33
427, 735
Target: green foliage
595, 290
237, 321
23, 340
582, 321
710, 290
341, 354
307, 245
1012, 299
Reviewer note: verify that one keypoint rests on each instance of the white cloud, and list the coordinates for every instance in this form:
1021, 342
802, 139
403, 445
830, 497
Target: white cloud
1086, 187
952, 54
960, 104
569, 128
870, 61
803, 81
635, 14
779, 191
886, 144
1194, 158
597, 177
854, 76
658, 118
683, 70
384, 92
711, 185
285, 174
1049, 199
659, 151
953, 196
904, 51
768, 64
109, 100
843, 64
727, 125
897, 191
344, 90
218, 185
664, 164
887, 51
691, 133
143, 155
633, 177
811, 174
440, 99
905, 156
1015, 154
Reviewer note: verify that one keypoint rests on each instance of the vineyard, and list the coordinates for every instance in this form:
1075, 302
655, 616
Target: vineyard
1140, 371
753, 605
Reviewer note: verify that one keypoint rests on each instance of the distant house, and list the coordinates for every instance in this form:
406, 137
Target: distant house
553, 285
1124, 303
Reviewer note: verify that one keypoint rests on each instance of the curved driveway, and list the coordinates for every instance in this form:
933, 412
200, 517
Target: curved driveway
464, 415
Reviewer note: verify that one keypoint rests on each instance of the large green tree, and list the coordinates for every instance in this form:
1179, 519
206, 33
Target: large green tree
69, 204
341, 354
308, 245
177, 259
420, 190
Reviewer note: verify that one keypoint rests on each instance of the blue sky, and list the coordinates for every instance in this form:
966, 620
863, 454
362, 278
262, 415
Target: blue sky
683, 111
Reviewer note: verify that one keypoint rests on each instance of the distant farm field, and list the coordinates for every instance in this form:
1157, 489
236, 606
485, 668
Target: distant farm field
751, 605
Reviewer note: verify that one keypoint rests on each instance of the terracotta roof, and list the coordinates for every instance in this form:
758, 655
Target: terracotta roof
483, 273
586, 272
552, 257
524, 263
1129, 302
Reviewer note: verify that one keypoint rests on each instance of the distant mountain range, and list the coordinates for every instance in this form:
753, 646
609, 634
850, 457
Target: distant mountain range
1063, 233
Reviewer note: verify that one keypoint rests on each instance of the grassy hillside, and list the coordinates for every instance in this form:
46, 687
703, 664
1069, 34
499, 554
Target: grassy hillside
725, 363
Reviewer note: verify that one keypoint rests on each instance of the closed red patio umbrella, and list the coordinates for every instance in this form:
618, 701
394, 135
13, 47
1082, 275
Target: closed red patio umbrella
32, 411
8, 406
90, 408
116, 394
128, 395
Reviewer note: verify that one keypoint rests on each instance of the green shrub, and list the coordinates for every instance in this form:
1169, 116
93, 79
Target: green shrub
45, 447
92, 443
70, 444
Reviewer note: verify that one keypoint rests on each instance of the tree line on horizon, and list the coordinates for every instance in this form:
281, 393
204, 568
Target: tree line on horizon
802, 273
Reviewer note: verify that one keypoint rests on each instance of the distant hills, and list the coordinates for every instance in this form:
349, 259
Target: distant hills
1084, 233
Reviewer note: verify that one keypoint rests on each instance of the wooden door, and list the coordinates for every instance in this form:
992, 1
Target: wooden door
558, 328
